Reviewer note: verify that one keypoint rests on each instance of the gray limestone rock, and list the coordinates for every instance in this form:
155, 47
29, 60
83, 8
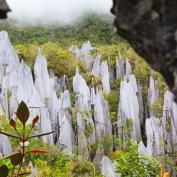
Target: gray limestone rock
150, 27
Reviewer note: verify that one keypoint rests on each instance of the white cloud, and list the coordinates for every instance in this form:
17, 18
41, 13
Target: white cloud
63, 11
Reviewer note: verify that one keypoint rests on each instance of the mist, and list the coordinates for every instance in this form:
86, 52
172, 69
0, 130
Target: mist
60, 11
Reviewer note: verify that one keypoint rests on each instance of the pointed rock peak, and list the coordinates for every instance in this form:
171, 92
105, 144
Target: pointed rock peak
96, 65
128, 69
87, 47
151, 84
40, 52
104, 63
89, 43
97, 59
108, 168
168, 100
40, 55
40, 60
77, 70
152, 96
7, 52
168, 94
35, 100
4, 34
98, 56
141, 148
22, 62
24, 65
120, 57
5, 42
151, 80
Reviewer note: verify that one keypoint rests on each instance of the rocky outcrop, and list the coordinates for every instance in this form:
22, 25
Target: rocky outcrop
150, 26
4, 9
82, 117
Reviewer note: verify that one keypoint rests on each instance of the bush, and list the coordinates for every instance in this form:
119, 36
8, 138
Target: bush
113, 100
130, 164
142, 71
60, 60
157, 107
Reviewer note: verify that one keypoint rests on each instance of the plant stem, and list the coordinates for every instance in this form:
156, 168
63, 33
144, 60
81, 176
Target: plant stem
23, 150
19, 169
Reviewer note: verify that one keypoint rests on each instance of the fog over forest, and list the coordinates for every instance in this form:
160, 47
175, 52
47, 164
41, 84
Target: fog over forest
61, 11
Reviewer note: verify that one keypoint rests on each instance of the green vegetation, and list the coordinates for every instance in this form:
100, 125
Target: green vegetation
50, 162
60, 60
93, 27
65, 166
113, 101
23, 135
157, 107
105, 142
131, 164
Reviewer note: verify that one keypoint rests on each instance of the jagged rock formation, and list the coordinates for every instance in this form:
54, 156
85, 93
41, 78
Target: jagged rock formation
128, 105
4, 9
5, 146
108, 168
150, 27
80, 125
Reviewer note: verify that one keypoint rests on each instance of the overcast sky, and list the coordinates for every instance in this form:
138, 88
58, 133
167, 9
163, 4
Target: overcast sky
55, 10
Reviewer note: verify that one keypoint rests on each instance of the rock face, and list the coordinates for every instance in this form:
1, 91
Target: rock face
129, 105
4, 9
5, 146
108, 168
150, 26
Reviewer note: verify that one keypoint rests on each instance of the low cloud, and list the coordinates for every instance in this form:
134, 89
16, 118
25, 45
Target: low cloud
62, 11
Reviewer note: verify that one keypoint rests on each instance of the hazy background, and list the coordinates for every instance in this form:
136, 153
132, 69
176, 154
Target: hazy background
62, 11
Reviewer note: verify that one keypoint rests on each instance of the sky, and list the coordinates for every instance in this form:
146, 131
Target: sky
62, 11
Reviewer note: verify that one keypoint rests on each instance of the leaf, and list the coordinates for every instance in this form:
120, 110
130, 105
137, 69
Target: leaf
4, 171
23, 112
10, 135
12, 123
38, 151
16, 159
44, 134
8, 156
35, 120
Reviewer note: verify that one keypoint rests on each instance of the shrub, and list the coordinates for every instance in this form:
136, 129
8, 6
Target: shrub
113, 100
130, 164
157, 107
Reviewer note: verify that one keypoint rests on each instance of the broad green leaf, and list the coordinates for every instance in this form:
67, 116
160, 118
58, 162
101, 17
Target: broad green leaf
23, 112
4, 171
